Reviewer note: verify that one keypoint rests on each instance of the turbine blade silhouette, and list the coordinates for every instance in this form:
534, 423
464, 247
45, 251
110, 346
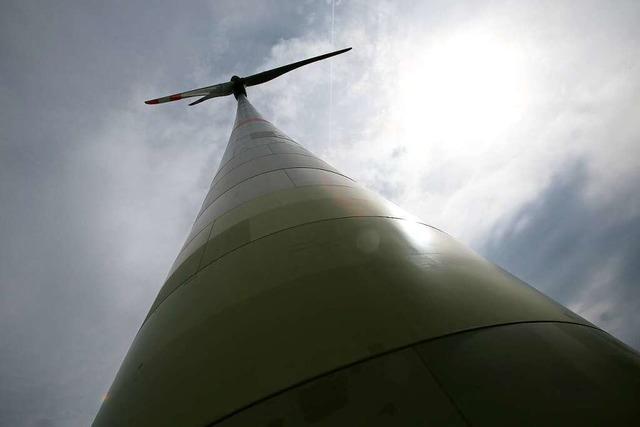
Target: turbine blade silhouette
237, 84
265, 76
221, 89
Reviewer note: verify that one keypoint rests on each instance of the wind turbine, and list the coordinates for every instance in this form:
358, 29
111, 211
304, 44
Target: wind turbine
302, 298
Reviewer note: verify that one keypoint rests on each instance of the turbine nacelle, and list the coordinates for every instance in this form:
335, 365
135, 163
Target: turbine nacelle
236, 85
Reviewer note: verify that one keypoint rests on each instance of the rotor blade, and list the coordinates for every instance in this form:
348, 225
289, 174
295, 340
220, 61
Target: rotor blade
265, 76
222, 89
204, 98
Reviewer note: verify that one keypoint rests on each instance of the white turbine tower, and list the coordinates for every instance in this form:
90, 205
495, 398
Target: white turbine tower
302, 298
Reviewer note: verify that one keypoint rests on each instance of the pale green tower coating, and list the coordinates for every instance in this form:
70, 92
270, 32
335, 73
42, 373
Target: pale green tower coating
302, 298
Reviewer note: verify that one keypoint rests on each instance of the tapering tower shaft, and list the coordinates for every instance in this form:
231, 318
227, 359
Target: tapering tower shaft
300, 297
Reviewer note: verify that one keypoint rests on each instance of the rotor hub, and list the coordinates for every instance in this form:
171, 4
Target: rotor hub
238, 87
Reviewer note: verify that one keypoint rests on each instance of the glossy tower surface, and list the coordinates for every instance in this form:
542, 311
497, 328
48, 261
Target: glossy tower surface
301, 298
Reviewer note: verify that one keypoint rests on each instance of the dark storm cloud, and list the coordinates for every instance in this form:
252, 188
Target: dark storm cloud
584, 256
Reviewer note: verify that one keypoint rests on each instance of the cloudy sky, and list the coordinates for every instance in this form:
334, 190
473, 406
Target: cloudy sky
514, 126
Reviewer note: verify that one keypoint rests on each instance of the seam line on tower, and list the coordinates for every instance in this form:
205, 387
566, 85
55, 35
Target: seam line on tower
382, 354
187, 279
262, 173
